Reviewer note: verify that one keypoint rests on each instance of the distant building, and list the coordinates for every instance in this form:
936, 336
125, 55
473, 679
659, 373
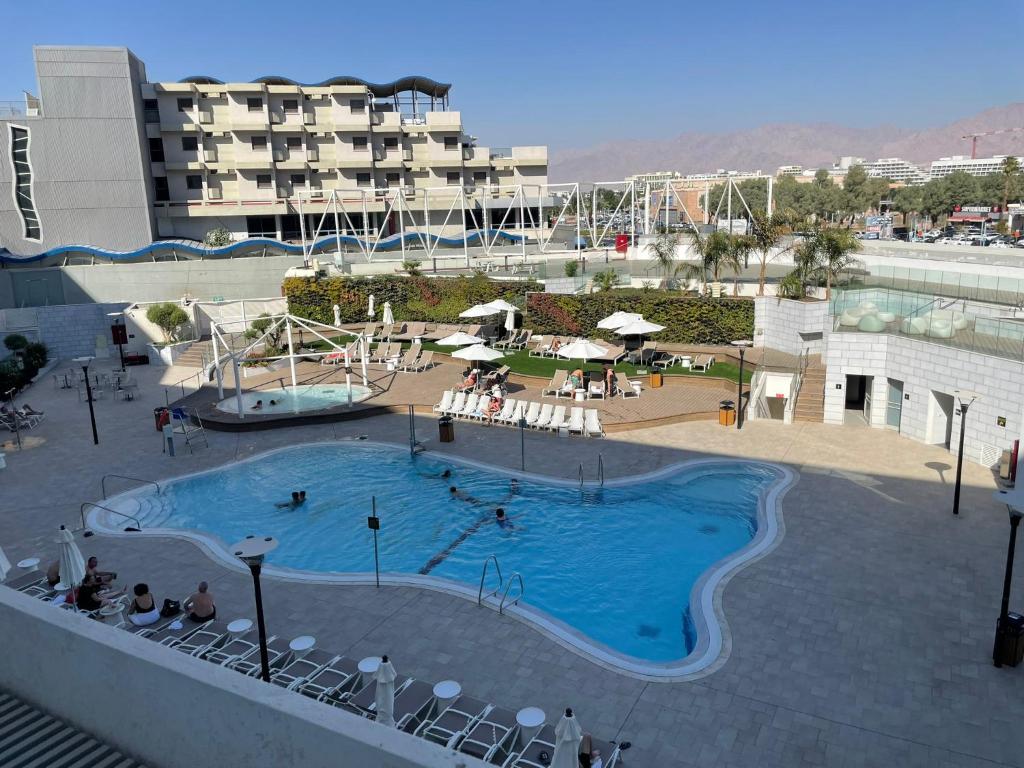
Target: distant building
655, 177
978, 166
896, 169
789, 170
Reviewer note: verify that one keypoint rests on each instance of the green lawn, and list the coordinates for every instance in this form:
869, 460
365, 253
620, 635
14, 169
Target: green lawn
545, 367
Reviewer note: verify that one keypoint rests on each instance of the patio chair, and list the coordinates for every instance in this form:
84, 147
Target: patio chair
470, 408
557, 419
474, 330
532, 413
377, 352
523, 340
298, 669
422, 363
613, 355
592, 424
482, 404
411, 332
410, 357
542, 420
666, 361
32, 584
234, 649
575, 422
364, 701
550, 351
556, 384
413, 704
529, 757
446, 401
457, 405
702, 363
493, 735
212, 635
333, 358
169, 636
624, 386
507, 341
369, 329
278, 654
386, 331
454, 721
331, 681
507, 411
595, 390
645, 354
440, 331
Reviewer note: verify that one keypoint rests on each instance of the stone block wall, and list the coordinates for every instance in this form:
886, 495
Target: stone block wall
778, 324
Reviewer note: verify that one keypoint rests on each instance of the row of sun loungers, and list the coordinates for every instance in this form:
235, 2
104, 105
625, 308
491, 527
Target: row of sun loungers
540, 416
468, 725
559, 386
418, 330
15, 419
411, 360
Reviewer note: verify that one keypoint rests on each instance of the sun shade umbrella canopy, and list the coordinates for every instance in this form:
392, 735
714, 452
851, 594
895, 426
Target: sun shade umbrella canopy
479, 310
477, 352
568, 736
459, 339
384, 699
510, 321
581, 349
500, 305
639, 327
370, 311
72, 564
618, 319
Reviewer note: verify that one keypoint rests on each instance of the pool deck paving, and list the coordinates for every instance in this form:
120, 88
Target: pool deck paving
863, 639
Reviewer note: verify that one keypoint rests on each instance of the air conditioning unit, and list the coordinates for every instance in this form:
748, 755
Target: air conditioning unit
470, 189
280, 155
409, 191
205, 117
308, 118
312, 155
276, 118
210, 155
214, 193
282, 193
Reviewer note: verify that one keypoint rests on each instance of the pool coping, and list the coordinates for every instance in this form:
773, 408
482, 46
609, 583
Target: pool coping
706, 610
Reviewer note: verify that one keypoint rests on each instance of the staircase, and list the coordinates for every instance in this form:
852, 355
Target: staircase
193, 356
29, 737
810, 402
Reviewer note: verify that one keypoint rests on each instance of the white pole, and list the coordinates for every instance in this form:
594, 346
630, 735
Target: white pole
540, 219
238, 387
579, 214
401, 220
348, 381
291, 350
647, 210
769, 206
306, 256
667, 202
486, 236
363, 351
337, 226
728, 186
522, 220
216, 364
366, 228
465, 233
707, 201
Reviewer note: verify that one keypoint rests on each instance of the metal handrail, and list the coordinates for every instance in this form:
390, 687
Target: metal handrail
81, 511
483, 575
522, 591
600, 469
581, 474
103, 482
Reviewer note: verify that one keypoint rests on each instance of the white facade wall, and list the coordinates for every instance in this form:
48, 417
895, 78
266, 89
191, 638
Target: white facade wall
778, 324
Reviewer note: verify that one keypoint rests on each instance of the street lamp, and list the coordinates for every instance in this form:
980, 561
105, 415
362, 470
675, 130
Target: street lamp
1004, 647
965, 398
742, 345
84, 362
119, 333
251, 550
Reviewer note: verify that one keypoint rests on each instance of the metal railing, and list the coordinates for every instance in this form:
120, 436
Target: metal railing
198, 376
522, 591
581, 475
103, 482
81, 511
483, 575
600, 469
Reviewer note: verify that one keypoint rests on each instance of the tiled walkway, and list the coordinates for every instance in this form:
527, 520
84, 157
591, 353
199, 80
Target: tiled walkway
864, 639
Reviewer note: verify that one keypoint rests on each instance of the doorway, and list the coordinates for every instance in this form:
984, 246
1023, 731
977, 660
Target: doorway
940, 419
894, 405
857, 408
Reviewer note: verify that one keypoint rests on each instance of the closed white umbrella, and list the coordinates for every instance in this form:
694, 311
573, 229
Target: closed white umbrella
72, 564
479, 310
459, 339
510, 321
618, 319
370, 311
500, 305
477, 352
389, 317
337, 315
581, 349
384, 699
568, 736
639, 327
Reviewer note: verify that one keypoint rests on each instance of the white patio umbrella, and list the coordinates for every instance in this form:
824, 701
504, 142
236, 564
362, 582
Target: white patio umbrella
384, 698
389, 317
459, 339
500, 305
479, 310
581, 349
477, 352
568, 736
510, 321
639, 327
617, 320
337, 315
370, 312
72, 564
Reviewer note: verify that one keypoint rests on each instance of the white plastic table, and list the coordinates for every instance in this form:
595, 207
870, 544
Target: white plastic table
446, 691
29, 564
581, 395
239, 627
530, 720
368, 667
302, 645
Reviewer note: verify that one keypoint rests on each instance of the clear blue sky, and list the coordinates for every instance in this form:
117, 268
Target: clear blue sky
570, 74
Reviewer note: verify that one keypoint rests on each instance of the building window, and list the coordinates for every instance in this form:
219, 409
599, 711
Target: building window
255, 104
391, 142
156, 150
291, 106
151, 110
454, 177
451, 142
189, 144
480, 177
194, 181
358, 106
23, 182
363, 179
184, 105
261, 226
263, 181
293, 142
162, 192
259, 143
393, 178
359, 142
298, 179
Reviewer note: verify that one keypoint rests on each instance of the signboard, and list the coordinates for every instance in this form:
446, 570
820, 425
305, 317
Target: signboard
977, 209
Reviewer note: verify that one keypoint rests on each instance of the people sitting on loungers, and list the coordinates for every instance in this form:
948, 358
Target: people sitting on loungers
609, 380
469, 382
53, 574
30, 411
91, 595
143, 611
494, 407
555, 345
103, 578
200, 606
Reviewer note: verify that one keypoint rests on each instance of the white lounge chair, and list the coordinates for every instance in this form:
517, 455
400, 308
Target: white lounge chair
424, 361
556, 384
457, 405
298, 670
454, 722
702, 363
470, 407
509, 408
557, 418
592, 423
532, 413
446, 402
482, 404
544, 418
575, 423
624, 386
233, 650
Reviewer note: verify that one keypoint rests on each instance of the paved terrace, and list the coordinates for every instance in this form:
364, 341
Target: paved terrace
863, 639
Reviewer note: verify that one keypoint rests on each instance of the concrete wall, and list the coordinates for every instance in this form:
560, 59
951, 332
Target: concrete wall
926, 368
150, 701
778, 324
69, 330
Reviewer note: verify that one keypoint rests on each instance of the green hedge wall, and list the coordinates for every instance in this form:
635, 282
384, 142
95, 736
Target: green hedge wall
687, 319
412, 298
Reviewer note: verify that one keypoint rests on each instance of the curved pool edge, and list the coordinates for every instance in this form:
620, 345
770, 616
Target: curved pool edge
707, 612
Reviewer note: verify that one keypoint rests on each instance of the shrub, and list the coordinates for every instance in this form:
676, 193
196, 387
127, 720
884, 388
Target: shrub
217, 237
15, 342
571, 268
259, 326
412, 267
168, 318
11, 376
34, 357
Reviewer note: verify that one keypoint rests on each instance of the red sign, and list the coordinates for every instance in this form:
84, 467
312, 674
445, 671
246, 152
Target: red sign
621, 243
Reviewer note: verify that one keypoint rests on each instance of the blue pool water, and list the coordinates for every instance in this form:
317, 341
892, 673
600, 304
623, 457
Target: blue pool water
617, 563
311, 397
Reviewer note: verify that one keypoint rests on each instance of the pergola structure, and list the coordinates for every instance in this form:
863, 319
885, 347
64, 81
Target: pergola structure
286, 321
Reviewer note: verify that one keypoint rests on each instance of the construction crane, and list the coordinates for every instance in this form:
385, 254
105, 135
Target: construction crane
974, 138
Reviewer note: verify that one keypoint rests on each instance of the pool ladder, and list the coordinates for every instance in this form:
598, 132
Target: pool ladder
600, 471
504, 587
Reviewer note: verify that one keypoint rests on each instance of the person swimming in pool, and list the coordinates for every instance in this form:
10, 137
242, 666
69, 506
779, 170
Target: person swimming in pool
298, 499
463, 496
501, 519
444, 475
273, 402
258, 406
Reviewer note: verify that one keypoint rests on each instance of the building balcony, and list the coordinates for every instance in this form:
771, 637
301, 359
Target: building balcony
184, 165
247, 122
254, 163
365, 161
530, 155
205, 117
214, 193
179, 126
444, 121
210, 155
346, 121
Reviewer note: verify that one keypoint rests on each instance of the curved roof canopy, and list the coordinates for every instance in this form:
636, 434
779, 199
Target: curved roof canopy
418, 83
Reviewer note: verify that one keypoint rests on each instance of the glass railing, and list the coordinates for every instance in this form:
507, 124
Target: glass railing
954, 284
957, 323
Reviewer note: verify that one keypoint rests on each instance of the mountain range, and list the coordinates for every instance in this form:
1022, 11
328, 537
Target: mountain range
769, 146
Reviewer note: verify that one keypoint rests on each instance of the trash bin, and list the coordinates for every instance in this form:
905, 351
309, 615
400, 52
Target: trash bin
656, 380
158, 417
726, 413
446, 429
1009, 649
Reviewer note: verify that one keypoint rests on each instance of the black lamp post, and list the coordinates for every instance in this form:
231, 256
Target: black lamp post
965, 398
84, 362
1000, 651
119, 333
742, 345
251, 550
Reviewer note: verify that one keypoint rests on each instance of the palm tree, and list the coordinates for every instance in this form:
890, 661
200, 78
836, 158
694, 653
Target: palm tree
664, 251
740, 248
605, 281
1010, 171
767, 232
833, 249
716, 253
805, 257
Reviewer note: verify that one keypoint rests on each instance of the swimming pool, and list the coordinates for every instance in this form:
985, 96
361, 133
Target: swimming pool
625, 572
311, 397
